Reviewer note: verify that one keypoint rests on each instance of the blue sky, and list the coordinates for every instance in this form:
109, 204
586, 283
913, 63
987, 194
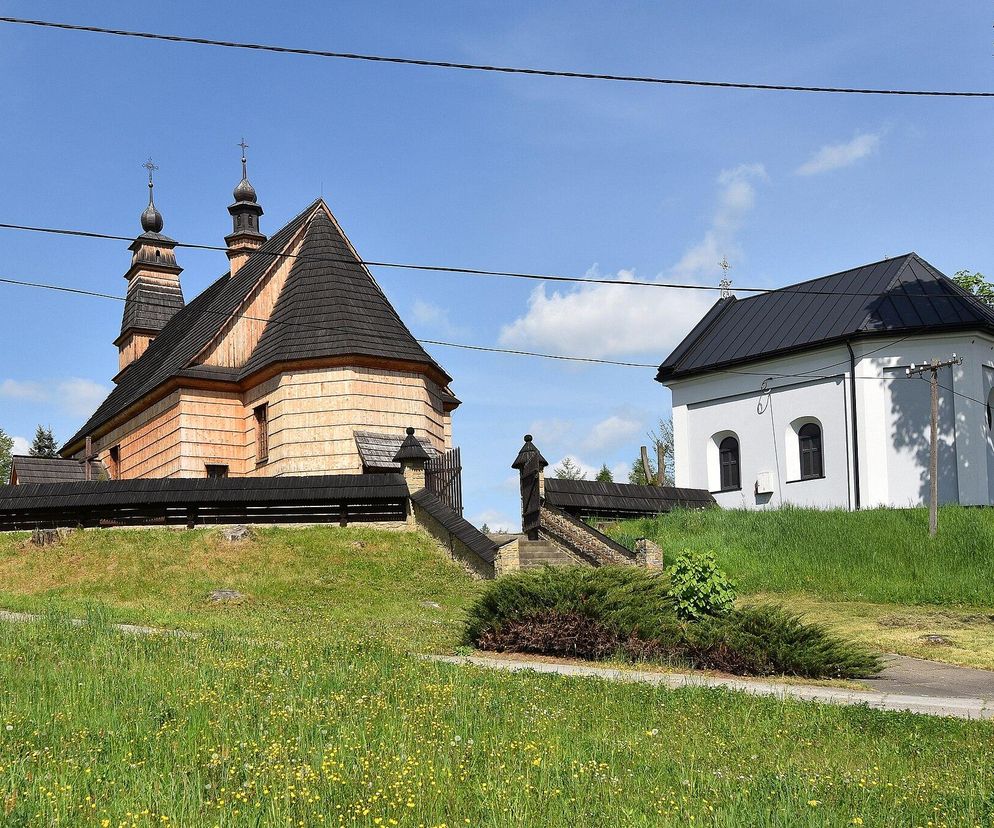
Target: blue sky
516, 173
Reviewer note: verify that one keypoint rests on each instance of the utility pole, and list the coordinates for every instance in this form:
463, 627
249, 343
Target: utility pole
933, 461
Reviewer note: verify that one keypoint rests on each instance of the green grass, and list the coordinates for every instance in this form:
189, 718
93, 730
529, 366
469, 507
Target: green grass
102, 729
300, 707
313, 579
879, 555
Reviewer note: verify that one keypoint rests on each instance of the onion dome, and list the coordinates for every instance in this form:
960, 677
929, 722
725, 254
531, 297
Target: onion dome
151, 218
244, 191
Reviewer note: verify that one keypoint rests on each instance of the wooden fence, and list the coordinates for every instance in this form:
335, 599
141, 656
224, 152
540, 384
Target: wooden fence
443, 477
341, 499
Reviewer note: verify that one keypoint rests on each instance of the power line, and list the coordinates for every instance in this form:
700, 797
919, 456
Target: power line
470, 271
509, 351
479, 67
267, 320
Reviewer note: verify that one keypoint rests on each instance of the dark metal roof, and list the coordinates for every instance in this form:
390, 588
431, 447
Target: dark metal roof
591, 498
29, 470
329, 306
190, 491
377, 451
903, 295
456, 525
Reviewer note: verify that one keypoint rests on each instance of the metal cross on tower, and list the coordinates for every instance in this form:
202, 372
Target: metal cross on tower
244, 147
151, 167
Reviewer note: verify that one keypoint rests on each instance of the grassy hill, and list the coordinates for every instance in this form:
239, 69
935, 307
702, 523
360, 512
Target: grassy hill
298, 706
378, 584
874, 575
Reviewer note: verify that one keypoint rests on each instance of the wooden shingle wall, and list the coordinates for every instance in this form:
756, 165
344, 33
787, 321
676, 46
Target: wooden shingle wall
312, 417
234, 343
150, 442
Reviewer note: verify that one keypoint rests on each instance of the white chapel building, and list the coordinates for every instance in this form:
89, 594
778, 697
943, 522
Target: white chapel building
801, 395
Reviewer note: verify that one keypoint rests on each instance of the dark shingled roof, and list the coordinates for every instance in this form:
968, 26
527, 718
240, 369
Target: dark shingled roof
904, 295
150, 307
528, 453
587, 497
411, 449
332, 304
27, 470
457, 525
190, 491
378, 450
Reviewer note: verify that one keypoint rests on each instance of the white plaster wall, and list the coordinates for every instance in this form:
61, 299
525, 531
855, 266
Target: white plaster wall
892, 414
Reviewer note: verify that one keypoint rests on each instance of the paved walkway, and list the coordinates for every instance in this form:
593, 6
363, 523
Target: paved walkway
967, 694
919, 677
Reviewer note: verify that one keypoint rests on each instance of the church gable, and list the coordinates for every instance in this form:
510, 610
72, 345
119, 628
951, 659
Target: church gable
331, 306
238, 337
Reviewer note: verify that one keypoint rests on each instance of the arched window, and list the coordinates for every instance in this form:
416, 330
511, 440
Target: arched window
728, 463
809, 446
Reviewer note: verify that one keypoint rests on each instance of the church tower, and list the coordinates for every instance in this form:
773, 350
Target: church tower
245, 237
154, 292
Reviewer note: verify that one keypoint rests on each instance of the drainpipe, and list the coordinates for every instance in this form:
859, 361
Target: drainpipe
855, 424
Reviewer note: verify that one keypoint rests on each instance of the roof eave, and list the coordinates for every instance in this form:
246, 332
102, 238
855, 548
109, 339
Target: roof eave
675, 375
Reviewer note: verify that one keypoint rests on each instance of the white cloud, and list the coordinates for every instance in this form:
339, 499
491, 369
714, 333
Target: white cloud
434, 318
80, 397
17, 390
552, 432
608, 321
76, 396
611, 433
496, 521
21, 444
735, 202
835, 156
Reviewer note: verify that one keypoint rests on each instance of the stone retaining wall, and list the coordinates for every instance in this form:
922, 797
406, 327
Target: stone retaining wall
582, 543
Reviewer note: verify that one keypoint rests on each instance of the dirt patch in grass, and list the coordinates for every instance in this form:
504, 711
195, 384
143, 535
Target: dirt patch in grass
916, 631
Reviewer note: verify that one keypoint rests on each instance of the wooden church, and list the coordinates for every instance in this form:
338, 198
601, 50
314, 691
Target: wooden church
292, 363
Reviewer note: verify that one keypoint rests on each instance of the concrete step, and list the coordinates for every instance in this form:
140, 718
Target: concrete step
538, 553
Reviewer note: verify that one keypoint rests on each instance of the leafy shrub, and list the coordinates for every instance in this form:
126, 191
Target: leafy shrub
769, 640
699, 588
626, 599
597, 613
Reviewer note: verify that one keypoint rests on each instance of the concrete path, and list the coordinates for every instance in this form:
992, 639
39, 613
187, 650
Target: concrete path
902, 694
919, 677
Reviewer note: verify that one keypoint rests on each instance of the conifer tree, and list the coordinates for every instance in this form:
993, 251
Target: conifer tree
44, 444
6, 450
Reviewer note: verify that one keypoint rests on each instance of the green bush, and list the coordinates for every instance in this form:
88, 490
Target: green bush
768, 640
595, 613
699, 588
